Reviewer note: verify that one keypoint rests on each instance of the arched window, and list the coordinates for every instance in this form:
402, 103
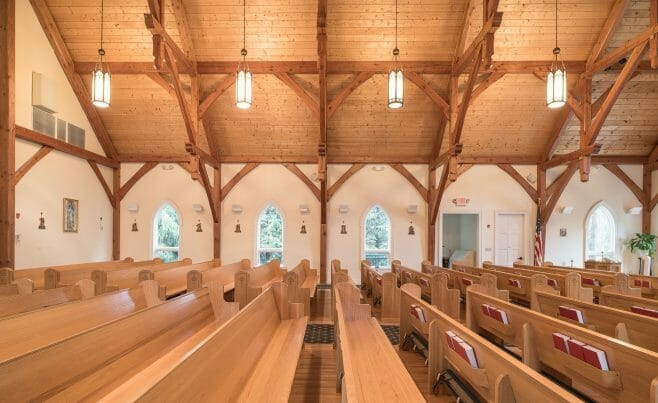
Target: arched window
600, 233
270, 235
377, 237
166, 233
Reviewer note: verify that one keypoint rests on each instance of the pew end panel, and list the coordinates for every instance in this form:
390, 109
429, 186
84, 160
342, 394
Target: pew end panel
6, 275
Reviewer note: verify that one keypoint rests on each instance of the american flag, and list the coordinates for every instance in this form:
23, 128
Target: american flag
539, 245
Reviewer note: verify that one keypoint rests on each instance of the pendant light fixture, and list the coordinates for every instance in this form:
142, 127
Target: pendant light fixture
100, 77
243, 76
395, 76
556, 83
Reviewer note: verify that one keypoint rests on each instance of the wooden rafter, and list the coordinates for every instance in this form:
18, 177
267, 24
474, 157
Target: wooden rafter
430, 92
156, 29
30, 163
612, 22
452, 151
438, 142
143, 170
437, 195
191, 124
305, 179
321, 32
653, 156
572, 156
204, 156
183, 28
344, 92
412, 180
308, 100
461, 169
38, 138
157, 9
208, 188
162, 82
653, 42
560, 185
470, 54
617, 54
502, 159
226, 189
596, 105
626, 180
103, 182
466, 99
514, 174
66, 62
486, 83
7, 135
343, 178
221, 88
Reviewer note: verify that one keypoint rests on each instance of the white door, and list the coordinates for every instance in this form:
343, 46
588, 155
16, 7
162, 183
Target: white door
509, 238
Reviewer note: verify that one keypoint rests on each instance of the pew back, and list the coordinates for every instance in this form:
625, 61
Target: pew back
224, 275
302, 281
20, 303
61, 276
175, 280
130, 277
250, 283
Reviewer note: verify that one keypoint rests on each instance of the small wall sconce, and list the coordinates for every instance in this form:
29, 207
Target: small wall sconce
198, 226
412, 209
134, 227
412, 231
42, 222
197, 207
236, 209
237, 228
303, 229
343, 209
635, 210
304, 209
133, 207
343, 228
567, 210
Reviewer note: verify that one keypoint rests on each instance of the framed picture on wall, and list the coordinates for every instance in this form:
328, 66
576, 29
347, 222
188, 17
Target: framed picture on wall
70, 215
563, 232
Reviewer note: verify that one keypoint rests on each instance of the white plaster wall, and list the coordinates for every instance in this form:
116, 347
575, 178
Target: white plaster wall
57, 175
393, 193
157, 187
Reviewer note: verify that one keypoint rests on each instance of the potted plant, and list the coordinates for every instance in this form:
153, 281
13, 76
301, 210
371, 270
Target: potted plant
645, 244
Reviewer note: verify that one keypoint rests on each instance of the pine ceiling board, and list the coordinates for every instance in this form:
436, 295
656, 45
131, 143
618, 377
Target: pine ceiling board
510, 118
635, 20
278, 122
365, 126
528, 28
276, 29
365, 29
125, 35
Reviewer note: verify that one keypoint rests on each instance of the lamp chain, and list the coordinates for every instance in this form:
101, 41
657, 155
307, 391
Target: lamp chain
244, 29
101, 51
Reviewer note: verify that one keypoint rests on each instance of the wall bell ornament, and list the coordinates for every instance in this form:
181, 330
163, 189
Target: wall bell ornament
42, 222
412, 231
303, 230
237, 228
198, 226
343, 228
134, 227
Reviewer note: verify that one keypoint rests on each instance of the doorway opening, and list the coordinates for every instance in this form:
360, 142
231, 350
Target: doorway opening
459, 240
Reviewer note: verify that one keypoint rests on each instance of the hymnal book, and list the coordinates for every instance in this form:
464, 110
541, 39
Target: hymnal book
576, 348
595, 357
466, 281
645, 311
560, 342
486, 309
418, 313
571, 313
499, 315
379, 280
449, 339
552, 282
424, 282
643, 283
462, 348
588, 281
514, 283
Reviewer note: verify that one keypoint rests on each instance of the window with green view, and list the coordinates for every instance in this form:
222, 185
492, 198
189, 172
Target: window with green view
166, 234
270, 235
377, 237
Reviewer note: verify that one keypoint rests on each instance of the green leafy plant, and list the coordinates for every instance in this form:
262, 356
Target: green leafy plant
643, 242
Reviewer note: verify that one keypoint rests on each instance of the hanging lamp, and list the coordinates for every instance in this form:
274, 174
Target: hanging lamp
395, 76
100, 77
243, 76
556, 83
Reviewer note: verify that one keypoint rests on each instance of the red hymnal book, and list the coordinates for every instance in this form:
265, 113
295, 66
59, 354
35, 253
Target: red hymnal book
576, 348
645, 311
424, 282
499, 315
486, 309
638, 283
514, 283
552, 282
560, 342
646, 283
595, 357
449, 339
571, 313
465, 351
588, 281
466, 281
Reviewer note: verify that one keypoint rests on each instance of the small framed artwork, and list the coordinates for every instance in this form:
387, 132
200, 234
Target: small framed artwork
70, 213
563, 232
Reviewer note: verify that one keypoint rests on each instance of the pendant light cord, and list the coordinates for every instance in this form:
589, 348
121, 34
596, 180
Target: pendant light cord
101, 51
396, 24
556, 47
244, 29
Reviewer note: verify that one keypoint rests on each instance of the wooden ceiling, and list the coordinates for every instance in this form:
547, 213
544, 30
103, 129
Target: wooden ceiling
508, 119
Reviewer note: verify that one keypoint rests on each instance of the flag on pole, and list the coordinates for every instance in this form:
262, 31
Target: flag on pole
539, 244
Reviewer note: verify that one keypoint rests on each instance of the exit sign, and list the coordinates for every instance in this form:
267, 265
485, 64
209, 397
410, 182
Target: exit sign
461, 201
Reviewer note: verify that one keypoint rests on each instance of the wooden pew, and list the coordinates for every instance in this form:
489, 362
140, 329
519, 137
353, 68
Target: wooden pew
63, 276
633, 374
224, 275
96, 361
625, 299
113, 280
36, 274
630, 327
460, 280
251, 358
384, 290
35, 329
368, 367
434, 288
338, 275
21, 286
15, 304
174, 280
250, 283
302, 281
499, 377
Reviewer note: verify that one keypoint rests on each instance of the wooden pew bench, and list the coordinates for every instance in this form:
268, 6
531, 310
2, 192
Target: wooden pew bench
252, 357
251, 283
21, 286
62, 277
94, 362
114, 280
627, 326
626, 302
224, 275
383, 286
434, 289
368, 367
33, 330
633, 371
302, 282
20, 303
498, 377
174, 280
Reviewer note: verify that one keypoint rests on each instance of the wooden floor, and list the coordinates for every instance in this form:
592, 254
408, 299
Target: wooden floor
315, 379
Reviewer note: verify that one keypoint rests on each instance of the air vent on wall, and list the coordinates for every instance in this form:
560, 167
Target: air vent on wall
43, 121
61, 129
76, 135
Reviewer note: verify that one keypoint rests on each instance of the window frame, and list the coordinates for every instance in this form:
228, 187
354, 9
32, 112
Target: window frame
154, 228
597, 254
283, 234
364, 249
